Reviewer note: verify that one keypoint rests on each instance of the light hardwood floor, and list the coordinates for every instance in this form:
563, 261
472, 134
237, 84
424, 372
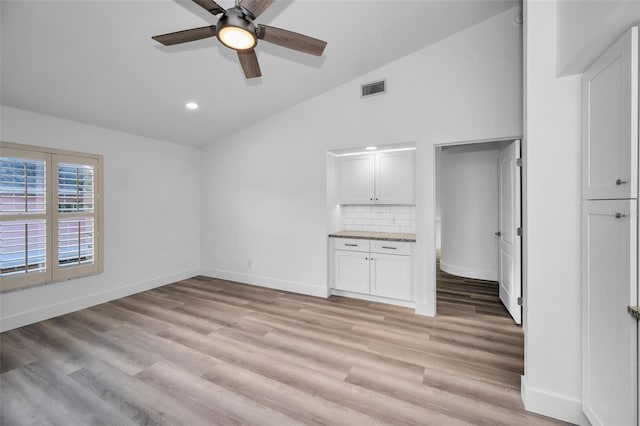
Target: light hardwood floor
206, 351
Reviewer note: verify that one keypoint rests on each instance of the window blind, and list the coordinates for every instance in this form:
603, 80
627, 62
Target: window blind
23, 245
50, 215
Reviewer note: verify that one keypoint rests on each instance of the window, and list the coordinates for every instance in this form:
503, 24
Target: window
50, 215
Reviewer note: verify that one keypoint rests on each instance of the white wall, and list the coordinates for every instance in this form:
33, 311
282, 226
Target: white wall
468, 193
552, 378
263, 188
151, 215
587, 28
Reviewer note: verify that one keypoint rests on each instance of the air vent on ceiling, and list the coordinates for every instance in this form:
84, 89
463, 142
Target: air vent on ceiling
375, 88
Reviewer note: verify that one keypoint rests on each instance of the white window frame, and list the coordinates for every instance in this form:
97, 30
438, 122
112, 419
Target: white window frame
53, 272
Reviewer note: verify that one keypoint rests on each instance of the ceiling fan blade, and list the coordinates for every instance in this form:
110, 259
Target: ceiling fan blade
291, 40
210, 6
186, 35
256, 7
249, 62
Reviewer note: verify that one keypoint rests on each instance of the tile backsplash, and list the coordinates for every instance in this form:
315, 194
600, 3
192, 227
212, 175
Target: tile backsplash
380, 218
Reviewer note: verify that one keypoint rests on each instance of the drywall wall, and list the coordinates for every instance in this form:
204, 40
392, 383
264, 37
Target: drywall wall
468, 193
587, 28
263, 188
151, 215
551, 290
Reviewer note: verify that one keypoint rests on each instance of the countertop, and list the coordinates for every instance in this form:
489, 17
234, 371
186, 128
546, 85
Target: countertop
383, 236
634, 311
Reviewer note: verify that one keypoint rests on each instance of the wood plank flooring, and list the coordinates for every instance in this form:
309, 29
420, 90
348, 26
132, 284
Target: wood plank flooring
205, 351
458, 296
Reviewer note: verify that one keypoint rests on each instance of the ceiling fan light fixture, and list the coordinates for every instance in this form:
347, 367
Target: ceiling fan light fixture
236, 31
236, 38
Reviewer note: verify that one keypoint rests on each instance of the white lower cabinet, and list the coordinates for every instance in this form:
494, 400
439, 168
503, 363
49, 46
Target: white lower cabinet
351, 271
368, 268
390, 276
609, 333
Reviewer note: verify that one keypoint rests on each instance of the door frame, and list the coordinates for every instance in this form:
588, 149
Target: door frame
523, 218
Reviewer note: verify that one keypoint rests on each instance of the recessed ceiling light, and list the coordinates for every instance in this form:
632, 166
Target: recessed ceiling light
370, 148
191, 105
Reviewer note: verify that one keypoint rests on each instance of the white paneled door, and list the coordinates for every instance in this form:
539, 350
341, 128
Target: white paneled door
610, 122
610, 235
610, 339
509, 239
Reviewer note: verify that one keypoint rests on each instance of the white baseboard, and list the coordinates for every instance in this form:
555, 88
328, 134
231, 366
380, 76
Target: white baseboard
552, 405
25, 318
274, 283
461, 271
372, 298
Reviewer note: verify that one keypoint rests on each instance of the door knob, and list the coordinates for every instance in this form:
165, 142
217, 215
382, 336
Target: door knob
497, 234
620, 215
620, 182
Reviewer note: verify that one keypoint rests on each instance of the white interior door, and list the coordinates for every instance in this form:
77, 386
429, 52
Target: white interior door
609, 333
509, 242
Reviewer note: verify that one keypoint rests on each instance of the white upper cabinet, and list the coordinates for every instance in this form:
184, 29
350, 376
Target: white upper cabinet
610, 123
384, 178
357, 179
394, 177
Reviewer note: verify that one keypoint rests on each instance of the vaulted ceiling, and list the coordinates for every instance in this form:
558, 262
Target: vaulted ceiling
95, 61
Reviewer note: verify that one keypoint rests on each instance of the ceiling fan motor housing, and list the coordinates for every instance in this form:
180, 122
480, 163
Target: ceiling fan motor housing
237, 18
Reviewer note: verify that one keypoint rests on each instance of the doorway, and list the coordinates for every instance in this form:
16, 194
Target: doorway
478, 229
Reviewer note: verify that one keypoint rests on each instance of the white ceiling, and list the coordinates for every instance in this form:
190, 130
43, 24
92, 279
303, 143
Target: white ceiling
95, 61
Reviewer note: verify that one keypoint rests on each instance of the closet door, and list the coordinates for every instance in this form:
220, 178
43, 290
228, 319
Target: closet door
609, 333
610, 122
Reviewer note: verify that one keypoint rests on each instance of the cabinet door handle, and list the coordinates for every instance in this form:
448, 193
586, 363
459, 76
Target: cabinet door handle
370, 199
497, 234
351, 245
620, 182
620, 215
390, 248
366, 258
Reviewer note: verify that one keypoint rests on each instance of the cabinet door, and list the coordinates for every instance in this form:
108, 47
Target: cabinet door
356, 179
391, 276
609, 333
610, 122
395, 178
351, 271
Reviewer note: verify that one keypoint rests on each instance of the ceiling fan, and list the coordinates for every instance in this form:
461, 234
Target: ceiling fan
236, 30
